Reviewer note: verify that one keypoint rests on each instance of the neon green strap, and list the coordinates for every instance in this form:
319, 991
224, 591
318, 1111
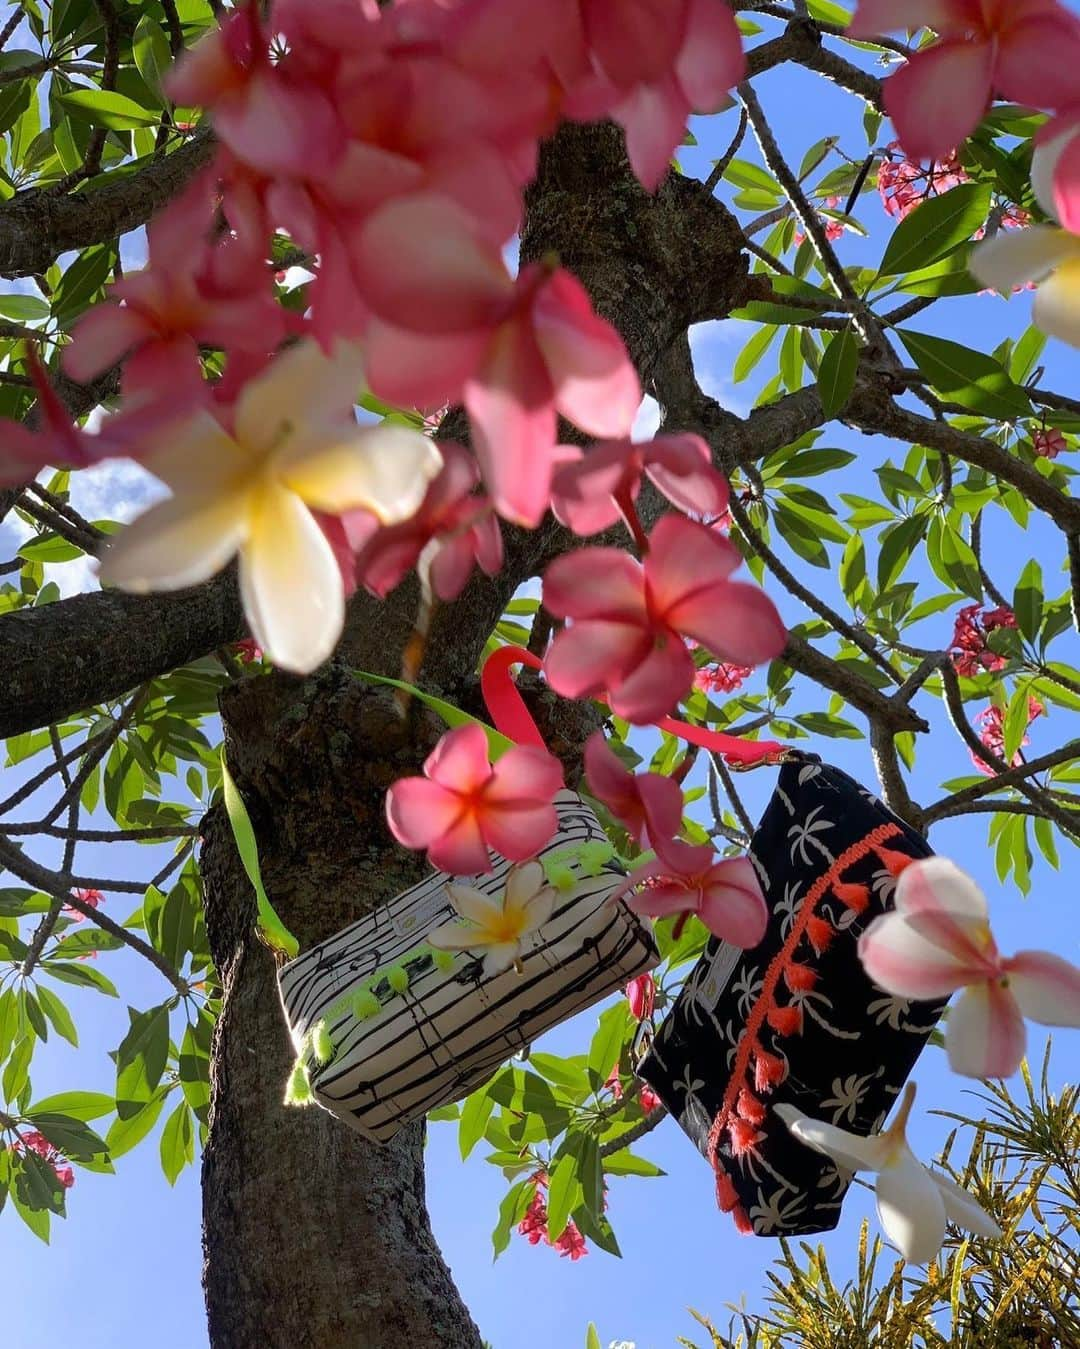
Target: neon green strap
269, 926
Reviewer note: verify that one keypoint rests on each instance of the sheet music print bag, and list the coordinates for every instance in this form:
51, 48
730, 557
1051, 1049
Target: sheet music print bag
796, 1019
412, 1029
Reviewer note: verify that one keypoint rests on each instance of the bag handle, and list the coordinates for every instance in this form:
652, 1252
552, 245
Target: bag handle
514, 720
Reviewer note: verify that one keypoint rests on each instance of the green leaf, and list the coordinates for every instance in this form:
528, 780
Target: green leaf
110, 110
752, 353
21, 308
965, 376
936, 226
81, 1105
14, 902
626, 1163
564, 1193
124, 1134
272, 930
592, 1337
453, 716
475, 1113
74, 1138
150, 47
36, 1219
194, 1065
85, 976
853, 569
50, 548
177, 1143
58, 1014
836, 375
897, 543
17, 1073
568, 1074
511, 1211
141, 1059
1028, 600
607, 1043
1017, 719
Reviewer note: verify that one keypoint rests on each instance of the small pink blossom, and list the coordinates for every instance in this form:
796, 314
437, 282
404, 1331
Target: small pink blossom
904, 184
722, 678
454, 528
92, 897
1027, 51
992, 734
249, 650
1049, 442
726, 896
938, 940
649, 806
33, 1141
834, 229
596, 487
534, 1225
629, 619
450, 322
971, 655
464, 805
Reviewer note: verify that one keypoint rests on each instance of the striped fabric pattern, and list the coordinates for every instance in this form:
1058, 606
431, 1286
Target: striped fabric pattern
451, 1030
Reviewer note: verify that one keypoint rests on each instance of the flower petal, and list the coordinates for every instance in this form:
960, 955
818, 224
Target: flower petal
681, 467
735, 621
525, 774
850, 1150
498, 959
653, 117
664, 898
734, 908
456, 937
911, 1209
474, 906
963, 1209
938, 98
872, 18
300, 378
936, 885
1038, 59
102, 337
418, 811
585, 658
684, 559
177, 543
712, 59
908, 964
384, 469
985, 1034
1014, 257
424, 265
520, 831
595, 583
1057, 305
1046, 987
596, 386
424, 370
654, 686
290, 582
462, 850
460, 760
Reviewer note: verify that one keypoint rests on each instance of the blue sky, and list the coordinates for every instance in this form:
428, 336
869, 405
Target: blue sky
124, 1269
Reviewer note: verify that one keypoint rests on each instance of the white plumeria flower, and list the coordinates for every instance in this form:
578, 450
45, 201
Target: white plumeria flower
913, 1202
498, 924
1045, 254
938, 940
293, 448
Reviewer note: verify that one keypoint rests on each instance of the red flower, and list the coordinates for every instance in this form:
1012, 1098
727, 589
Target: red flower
1049, 442
992, 734
32, 1141
722, 678
641, 995
903, 184
970, 653
535, 1229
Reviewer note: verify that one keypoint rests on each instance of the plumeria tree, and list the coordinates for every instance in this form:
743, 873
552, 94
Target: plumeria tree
372, 294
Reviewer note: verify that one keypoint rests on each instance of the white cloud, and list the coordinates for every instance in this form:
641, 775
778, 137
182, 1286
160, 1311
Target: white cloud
714, 347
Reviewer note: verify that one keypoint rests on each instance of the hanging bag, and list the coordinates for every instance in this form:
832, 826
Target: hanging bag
387, 1028
796, 1019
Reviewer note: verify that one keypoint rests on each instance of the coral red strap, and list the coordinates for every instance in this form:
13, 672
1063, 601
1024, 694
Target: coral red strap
510, 715
505, 705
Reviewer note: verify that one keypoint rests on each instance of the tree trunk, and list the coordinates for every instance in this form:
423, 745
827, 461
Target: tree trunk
312, 1236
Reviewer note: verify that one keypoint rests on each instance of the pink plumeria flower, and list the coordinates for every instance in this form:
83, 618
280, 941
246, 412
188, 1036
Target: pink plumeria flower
1028, 51
1056, 170
250, 484
654, 64
498, 925
1044, 254
725, 895
454, 528
24, 453
913, 1202
1049, 443
464, 804
939, 940
649, 806
451, 323
629, 619
91, 897
592, 491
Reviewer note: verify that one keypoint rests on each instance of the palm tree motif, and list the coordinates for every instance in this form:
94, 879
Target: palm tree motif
804, 835
747, 988
788, 907
776, 1212
688, 1086
889, 1011
836, 1179
848, 1095
883, 884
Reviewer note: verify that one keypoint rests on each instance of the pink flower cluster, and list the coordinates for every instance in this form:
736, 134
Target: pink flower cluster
970, 653
904, 184
833, 228
646, 1097
992, 733
32, 1141
534, 1225
1049, 442
722, 678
